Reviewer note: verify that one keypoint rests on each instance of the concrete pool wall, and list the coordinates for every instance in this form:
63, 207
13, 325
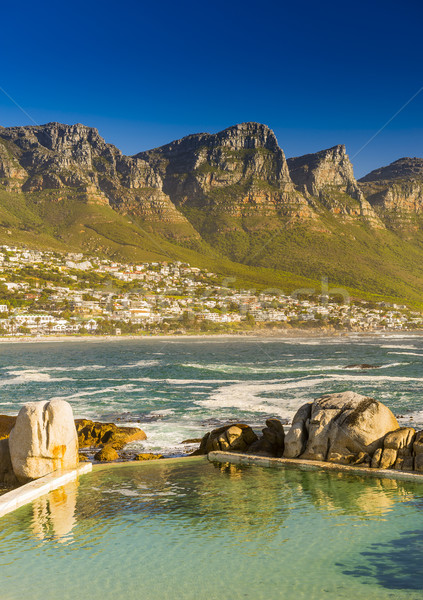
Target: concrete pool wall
34, 489
311, 465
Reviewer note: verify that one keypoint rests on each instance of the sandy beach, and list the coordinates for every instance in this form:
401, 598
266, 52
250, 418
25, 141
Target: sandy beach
280, 333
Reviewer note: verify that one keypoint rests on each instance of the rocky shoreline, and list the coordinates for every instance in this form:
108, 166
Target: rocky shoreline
344, 428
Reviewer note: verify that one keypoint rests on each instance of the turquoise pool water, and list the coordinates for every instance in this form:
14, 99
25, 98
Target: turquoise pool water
185, 530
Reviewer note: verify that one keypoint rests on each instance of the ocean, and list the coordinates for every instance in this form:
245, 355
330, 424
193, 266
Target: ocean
177, 389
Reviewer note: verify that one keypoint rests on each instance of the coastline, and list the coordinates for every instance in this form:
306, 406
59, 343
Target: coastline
127, 380
258, 334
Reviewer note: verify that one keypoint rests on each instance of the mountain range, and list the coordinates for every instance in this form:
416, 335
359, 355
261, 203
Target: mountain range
230, 201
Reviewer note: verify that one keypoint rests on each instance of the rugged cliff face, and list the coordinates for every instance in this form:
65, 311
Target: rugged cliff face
12, 175
328, 178
59, 157
213, 197
396, 193
240, 172
235, 180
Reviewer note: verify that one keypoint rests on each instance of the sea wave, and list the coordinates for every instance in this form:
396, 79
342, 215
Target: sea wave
407, 354
243, 369
167, 435
28, 376
24, 368
139, 363
253, 397
160, 413
414, 419
399, 347
375, 378
94, 367
95, 392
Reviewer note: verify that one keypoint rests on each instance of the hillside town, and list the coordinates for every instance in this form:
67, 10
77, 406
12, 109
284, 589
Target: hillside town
47, 293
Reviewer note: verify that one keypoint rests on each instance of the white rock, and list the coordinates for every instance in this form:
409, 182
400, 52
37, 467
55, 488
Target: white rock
43, 440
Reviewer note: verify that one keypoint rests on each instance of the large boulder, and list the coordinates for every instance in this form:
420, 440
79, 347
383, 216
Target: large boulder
344, 428
43, 440
272, 441
229, 438
93, 434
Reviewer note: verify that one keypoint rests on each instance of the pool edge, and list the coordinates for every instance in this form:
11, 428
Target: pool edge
311, 465
28, 492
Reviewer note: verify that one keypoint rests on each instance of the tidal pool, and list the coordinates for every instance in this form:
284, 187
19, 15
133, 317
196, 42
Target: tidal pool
190, 529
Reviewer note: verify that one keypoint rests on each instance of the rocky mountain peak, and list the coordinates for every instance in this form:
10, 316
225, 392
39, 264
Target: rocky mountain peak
329, 176
403, 168
240, 169
244, 136
248, 136
312, 172
56, 156
67, 140
396, 192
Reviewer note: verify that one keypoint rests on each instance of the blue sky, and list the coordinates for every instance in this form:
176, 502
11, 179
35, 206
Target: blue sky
318, 73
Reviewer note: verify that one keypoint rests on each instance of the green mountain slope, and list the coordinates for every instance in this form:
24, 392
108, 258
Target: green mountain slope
229, 202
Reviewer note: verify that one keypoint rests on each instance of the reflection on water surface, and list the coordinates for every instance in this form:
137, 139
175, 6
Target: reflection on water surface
190, 529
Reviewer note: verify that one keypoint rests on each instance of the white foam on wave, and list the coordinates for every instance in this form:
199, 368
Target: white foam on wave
251, 396
161, 413
408, 353
29, 376
197, 382
415, 419
307, 359
399, 347
140, 363
96, 367
246, 369
166, 436
309, 342
66, 368
193, 382
127, 387
401, 336
375, 378
81, 368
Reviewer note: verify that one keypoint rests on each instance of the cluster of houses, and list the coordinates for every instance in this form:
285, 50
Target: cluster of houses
49, 293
